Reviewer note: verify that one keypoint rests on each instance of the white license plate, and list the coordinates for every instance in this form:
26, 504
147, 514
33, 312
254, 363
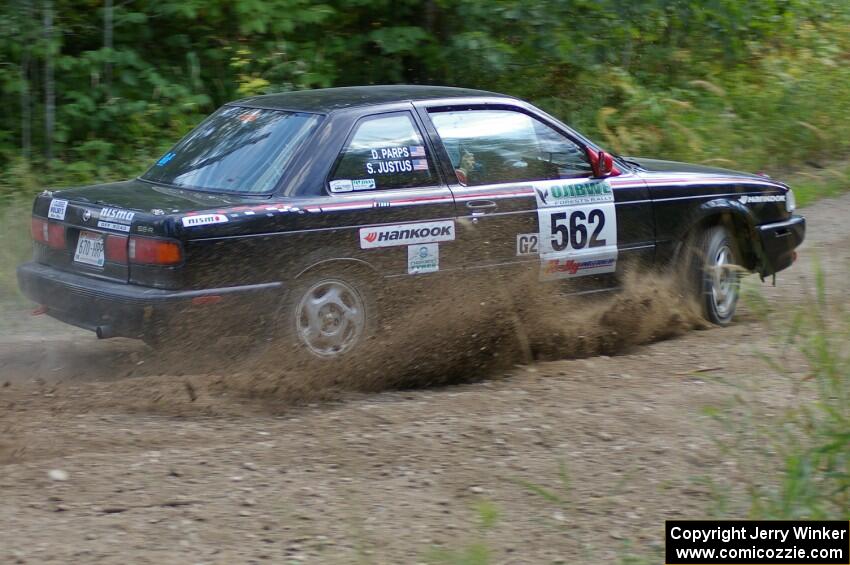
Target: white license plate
90, 249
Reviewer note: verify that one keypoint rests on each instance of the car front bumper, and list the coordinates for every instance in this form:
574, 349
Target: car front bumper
113, 309
779, 240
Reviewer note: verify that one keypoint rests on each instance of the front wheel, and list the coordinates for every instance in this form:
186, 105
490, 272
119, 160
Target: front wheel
718, 273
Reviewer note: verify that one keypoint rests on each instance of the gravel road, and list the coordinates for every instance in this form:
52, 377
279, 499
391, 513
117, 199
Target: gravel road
107, 456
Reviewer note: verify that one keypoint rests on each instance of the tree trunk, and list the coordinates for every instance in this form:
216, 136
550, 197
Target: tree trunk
107, 44
26, 107
49, 86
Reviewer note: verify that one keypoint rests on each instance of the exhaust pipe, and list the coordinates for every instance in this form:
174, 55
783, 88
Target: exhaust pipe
104, 332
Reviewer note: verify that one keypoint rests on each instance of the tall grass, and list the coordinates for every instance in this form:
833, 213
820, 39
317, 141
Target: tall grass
795, 462
15, 248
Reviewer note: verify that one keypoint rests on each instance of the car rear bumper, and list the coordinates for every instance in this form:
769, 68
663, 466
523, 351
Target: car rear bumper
779, 240
127, 310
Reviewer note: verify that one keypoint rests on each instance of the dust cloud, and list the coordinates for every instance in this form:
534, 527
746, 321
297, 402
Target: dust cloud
439, 334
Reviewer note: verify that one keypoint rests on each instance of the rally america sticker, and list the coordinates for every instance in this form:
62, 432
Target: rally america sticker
407, 234
423, 258
57, 209
204, 220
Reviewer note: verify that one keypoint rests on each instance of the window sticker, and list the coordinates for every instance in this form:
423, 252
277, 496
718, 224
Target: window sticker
249, 117
341, 185
391, 153
423, 258
389, 167
417, 151
165, 159
363, 184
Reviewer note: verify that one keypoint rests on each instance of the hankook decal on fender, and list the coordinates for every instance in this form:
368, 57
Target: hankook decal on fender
747, 199
407, 234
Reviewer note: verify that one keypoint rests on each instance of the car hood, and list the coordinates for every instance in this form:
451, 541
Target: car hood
145, 196
660, 166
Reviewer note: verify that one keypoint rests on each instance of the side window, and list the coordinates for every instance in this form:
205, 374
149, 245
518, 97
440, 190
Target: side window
498, 146
386, 151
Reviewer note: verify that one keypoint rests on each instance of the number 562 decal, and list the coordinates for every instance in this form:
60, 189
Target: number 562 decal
578, 236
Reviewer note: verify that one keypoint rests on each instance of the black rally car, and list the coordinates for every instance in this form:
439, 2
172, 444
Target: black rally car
297, 208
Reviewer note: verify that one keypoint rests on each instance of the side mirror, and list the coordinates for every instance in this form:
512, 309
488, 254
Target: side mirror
603, 164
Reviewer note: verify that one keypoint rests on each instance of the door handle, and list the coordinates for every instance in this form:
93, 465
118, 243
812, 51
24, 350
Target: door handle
480, 206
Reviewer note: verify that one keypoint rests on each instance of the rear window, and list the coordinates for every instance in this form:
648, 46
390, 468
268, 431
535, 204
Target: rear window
235, 150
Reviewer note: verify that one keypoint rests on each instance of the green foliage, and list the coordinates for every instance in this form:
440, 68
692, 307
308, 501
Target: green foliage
742, 84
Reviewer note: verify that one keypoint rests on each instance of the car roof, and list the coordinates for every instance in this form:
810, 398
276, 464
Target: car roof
329, 99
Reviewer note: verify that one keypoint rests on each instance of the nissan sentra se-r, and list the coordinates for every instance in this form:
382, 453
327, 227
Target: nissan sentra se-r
294, 213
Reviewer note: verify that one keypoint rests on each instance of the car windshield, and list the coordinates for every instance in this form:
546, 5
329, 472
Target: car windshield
236, 149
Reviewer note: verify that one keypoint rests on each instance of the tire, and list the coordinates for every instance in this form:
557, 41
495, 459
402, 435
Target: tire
327, 317
715, 274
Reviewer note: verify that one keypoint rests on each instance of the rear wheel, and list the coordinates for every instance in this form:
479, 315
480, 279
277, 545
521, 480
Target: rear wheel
328, 317
717, 270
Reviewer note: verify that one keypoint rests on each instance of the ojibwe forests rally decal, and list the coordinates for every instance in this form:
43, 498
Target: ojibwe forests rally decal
578, 228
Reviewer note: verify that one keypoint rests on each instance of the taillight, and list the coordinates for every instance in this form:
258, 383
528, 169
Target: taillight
152, 251
48, 233
116, 248
39, 230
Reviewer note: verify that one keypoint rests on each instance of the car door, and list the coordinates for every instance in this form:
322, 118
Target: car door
525, 195
384, 202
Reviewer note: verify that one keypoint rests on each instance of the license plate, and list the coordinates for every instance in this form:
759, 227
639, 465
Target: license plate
90, 249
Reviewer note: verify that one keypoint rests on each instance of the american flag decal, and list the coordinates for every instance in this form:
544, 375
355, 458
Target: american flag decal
420, 165
417, 151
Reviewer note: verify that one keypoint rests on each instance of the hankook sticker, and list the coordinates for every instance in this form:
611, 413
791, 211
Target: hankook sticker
746, 199
407, 234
